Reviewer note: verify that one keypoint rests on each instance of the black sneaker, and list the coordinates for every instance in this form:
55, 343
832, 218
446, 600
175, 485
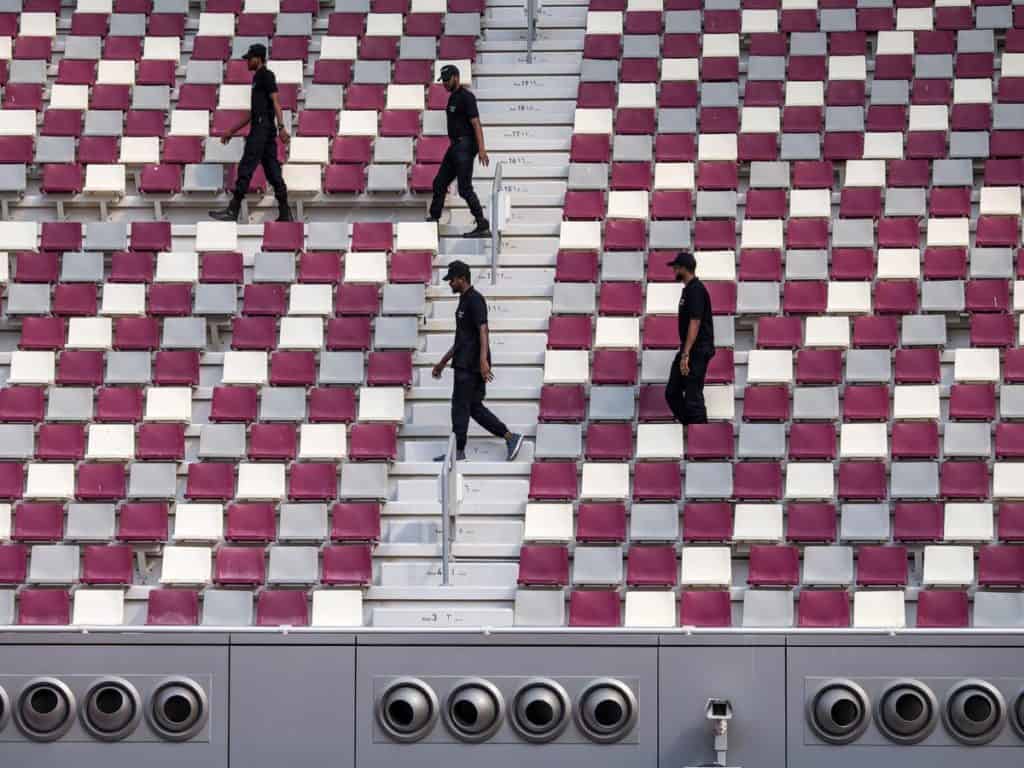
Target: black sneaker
432, 219
224, 214
513, 444
482, 229
459, 456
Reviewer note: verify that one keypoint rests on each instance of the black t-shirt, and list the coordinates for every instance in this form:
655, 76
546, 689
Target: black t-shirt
264, 85
694, 302
461, 109
470, 315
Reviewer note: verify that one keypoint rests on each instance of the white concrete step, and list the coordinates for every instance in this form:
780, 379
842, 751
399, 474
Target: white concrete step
527, 112
544, 63
535, 88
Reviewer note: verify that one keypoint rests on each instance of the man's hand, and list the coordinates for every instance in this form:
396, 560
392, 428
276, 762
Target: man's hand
484, 159
437, 370
684, 364
283, 133
226, 137
485, 371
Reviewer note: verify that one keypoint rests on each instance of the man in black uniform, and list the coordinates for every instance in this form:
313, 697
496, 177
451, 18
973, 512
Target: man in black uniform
467, 141
470, 357
685, 390
261, 143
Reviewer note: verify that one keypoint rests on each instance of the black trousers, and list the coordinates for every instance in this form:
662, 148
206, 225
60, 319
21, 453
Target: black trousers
685, 394
261, 149
457, 164
468, 402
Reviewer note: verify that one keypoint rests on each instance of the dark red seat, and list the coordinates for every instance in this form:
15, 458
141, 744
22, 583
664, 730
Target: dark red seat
862, 480
601, 522
972, 401
282, 607
132, 266
652, 405
562, 403
390, 368
553, 480
264, 299
812, 174
172, 607
373, 442
852, 264
344, 179
320, 267
44, 607
349, 565
292, 368
329, 71
239, 566
60, 442
676, 147
357, 300
119, 404
100, 482
221, 267
657, 481
283, 236
711, 234
372, 236
595, 608
873, 331
252, 522
1009, 440
13, 563
721, 369
993, 330
964, 480
142, 522
805, 297
915, 440
779, 332
590, 148
714, 440
1011, 521
757, 480
614, 366
918, 521
210, 480
60, 236
170, 299
881, 566
987, 295
945, 263
42, 333
543, 565
652, 566
107, 564
866, 402
672, 204
860, 203
584, 205
38, 521
899, 233
272, 442
312, 481
1001, 566
819, 366
355, 521
570, 332
609, 441
258, 333
707, 522
941, 608
332, 404
233, 404
774, 566
22, 404
808, 522
410, 267
766, 203
621, 299
813, 441
624, 235
823, 609
766, 402
349, 332
12, 480
950, 201
160, 442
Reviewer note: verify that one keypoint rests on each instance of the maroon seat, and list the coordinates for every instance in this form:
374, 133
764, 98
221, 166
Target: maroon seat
852, 264
874, 331
210, 480
596, 96
714, 234
595, 608
16, 149
973, 401
652, 404
264, 299
12, 480
945, 263
142, 522
372, 236
602, 46
614, 366
344, 179
357, 300
543, 565
672, 204
1009, 440
881, 566
313, 481
400, 122
349, 564
657, 481
997, 231
812, 174
714, 440
705, 609
774, 566
373, 442
239, 566
964, 479
272, 442
866, 402
42, 333
332, 404
170, 299
584, 205
805, 297
292, 369
823, 608
202, 96
63, 178
282, 607
22, 404
862, 480
950, 201
624, 235
661, 332
415, 72
811, 522
252, 522
812, 441
651, 566
1001, 566
992, 330
176, 368
60, 442
915, 440
329, 72
897, 297
283, 236
410, 267
221, 267
819, 366
431, 149
723, 297
107, 564
44, 606
553, 480
590, 148
621, 299
676, 147
766, 402
119, 404
779, 332
899, 233
100, 482
757, 480
562, 403
319, 267
391, 368
601, 522
917, 521
253, 333
1011, 521
707, 522
766, 203
172, 607
570, 332
349, 333
942, 609
160, 442
13, 563
132, 266
60, 236
609, 441
355, 521
860, 203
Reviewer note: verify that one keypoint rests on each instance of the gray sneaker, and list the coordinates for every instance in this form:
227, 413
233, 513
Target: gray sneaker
459, 456
513, 444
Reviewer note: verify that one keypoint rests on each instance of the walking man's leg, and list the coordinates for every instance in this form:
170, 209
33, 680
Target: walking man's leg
272, 169
483, 416
252, 155
694, 408
462, 401
675, 390
464, 158
442, 180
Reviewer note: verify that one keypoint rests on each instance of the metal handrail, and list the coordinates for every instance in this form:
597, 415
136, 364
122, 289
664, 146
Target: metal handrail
795, 632
446, 476
497, 220
531, 28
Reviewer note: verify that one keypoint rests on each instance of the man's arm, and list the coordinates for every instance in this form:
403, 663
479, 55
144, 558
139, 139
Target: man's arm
485, 359
443, 362
479, 131
691, 337
282, 130
230, 134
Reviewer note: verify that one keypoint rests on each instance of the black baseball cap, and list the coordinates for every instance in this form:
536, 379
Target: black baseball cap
256, 51
457, 269
448, 71
684, 259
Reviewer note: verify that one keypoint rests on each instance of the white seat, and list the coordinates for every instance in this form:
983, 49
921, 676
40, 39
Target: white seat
405, 97
168, 404
809, 480
720, 45
580, 235
676, 70
827, 332
706, 567
645, 5
261, 481
769, 366
5, 522
548, 522
18, 235
216, 25
592, 121
659, 441
301, 333
617, 333
311, 298
976, 90
428, 6
674, 176
756, 21
878, 609
69, 96
720, 400
566, 366
715, 265
895, 42
914, 18
805, 94
757, 522
384, 24
104, 179
162, 49
1007, 480
198, 522
915, 401
899, 263
929, 117
244, 367
604, 23
32, 367
717, 146
847, 68
637, 96
339, 48
176, 267
337, 608
628, 204
1012, 64
416, 236
650, 609
37, 24
602, 480
262, 6
810, 203
968, 522
663, 298
186, 565
949, 232
234, 96
17, 122
357, 122
863, 440
946, 566
976, 365
216, 236
761, 233
50, 481
1000, 201
760, 120
366, 267
98, 607
382, 404
864, 173
90, 333
326, 442
114, 72
140, 150
848, 297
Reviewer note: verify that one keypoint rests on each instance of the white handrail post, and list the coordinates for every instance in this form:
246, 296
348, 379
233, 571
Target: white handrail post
497, 220
447, 497
531, 28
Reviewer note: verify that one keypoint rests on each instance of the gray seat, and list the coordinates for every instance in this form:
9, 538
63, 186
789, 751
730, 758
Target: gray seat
215, 299
184, 333
103, 123
830, 566
800, 146
417, 48
539, 608
762, 441
816, 403
639, 46
844, 119
81, 48
324, 96
223, 154
17, 441
597, 565
574, 299
227, 608
599, 71
942, 296
952, 173
720, 95
708, 480
293, 565
69, 404
967, 438
554, 441
282, 404
1008, 116
757, 298
435, 123
371, 72
905, 202
773, 174
998, 609
767, 608
627, 148
934, 65
914, 479
274, 267
853, 233
151, 97
27, 71
716, 204
467, 24
204, 72
807, 265
975, 41
13, 178
588, 176
53, 564
992, 262
81, 267
341, 368
622, 265
682, 22
327, 235
995, 17
969, 144
128, 24
725, 330
364, 481
28, 299
241, 44
864, 522
55, 149
151, 480
302, 522
891, 92
808, 44
403, 299
106, 236
393, 149
1011, 401
128, 367
766, 68
222, 441
669, 235
387, 178
923, 331
294, 25
6, 606
612, 404
90, 522
654, 522
677, 120
396, 333
203, 178
868, 365
655, 365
